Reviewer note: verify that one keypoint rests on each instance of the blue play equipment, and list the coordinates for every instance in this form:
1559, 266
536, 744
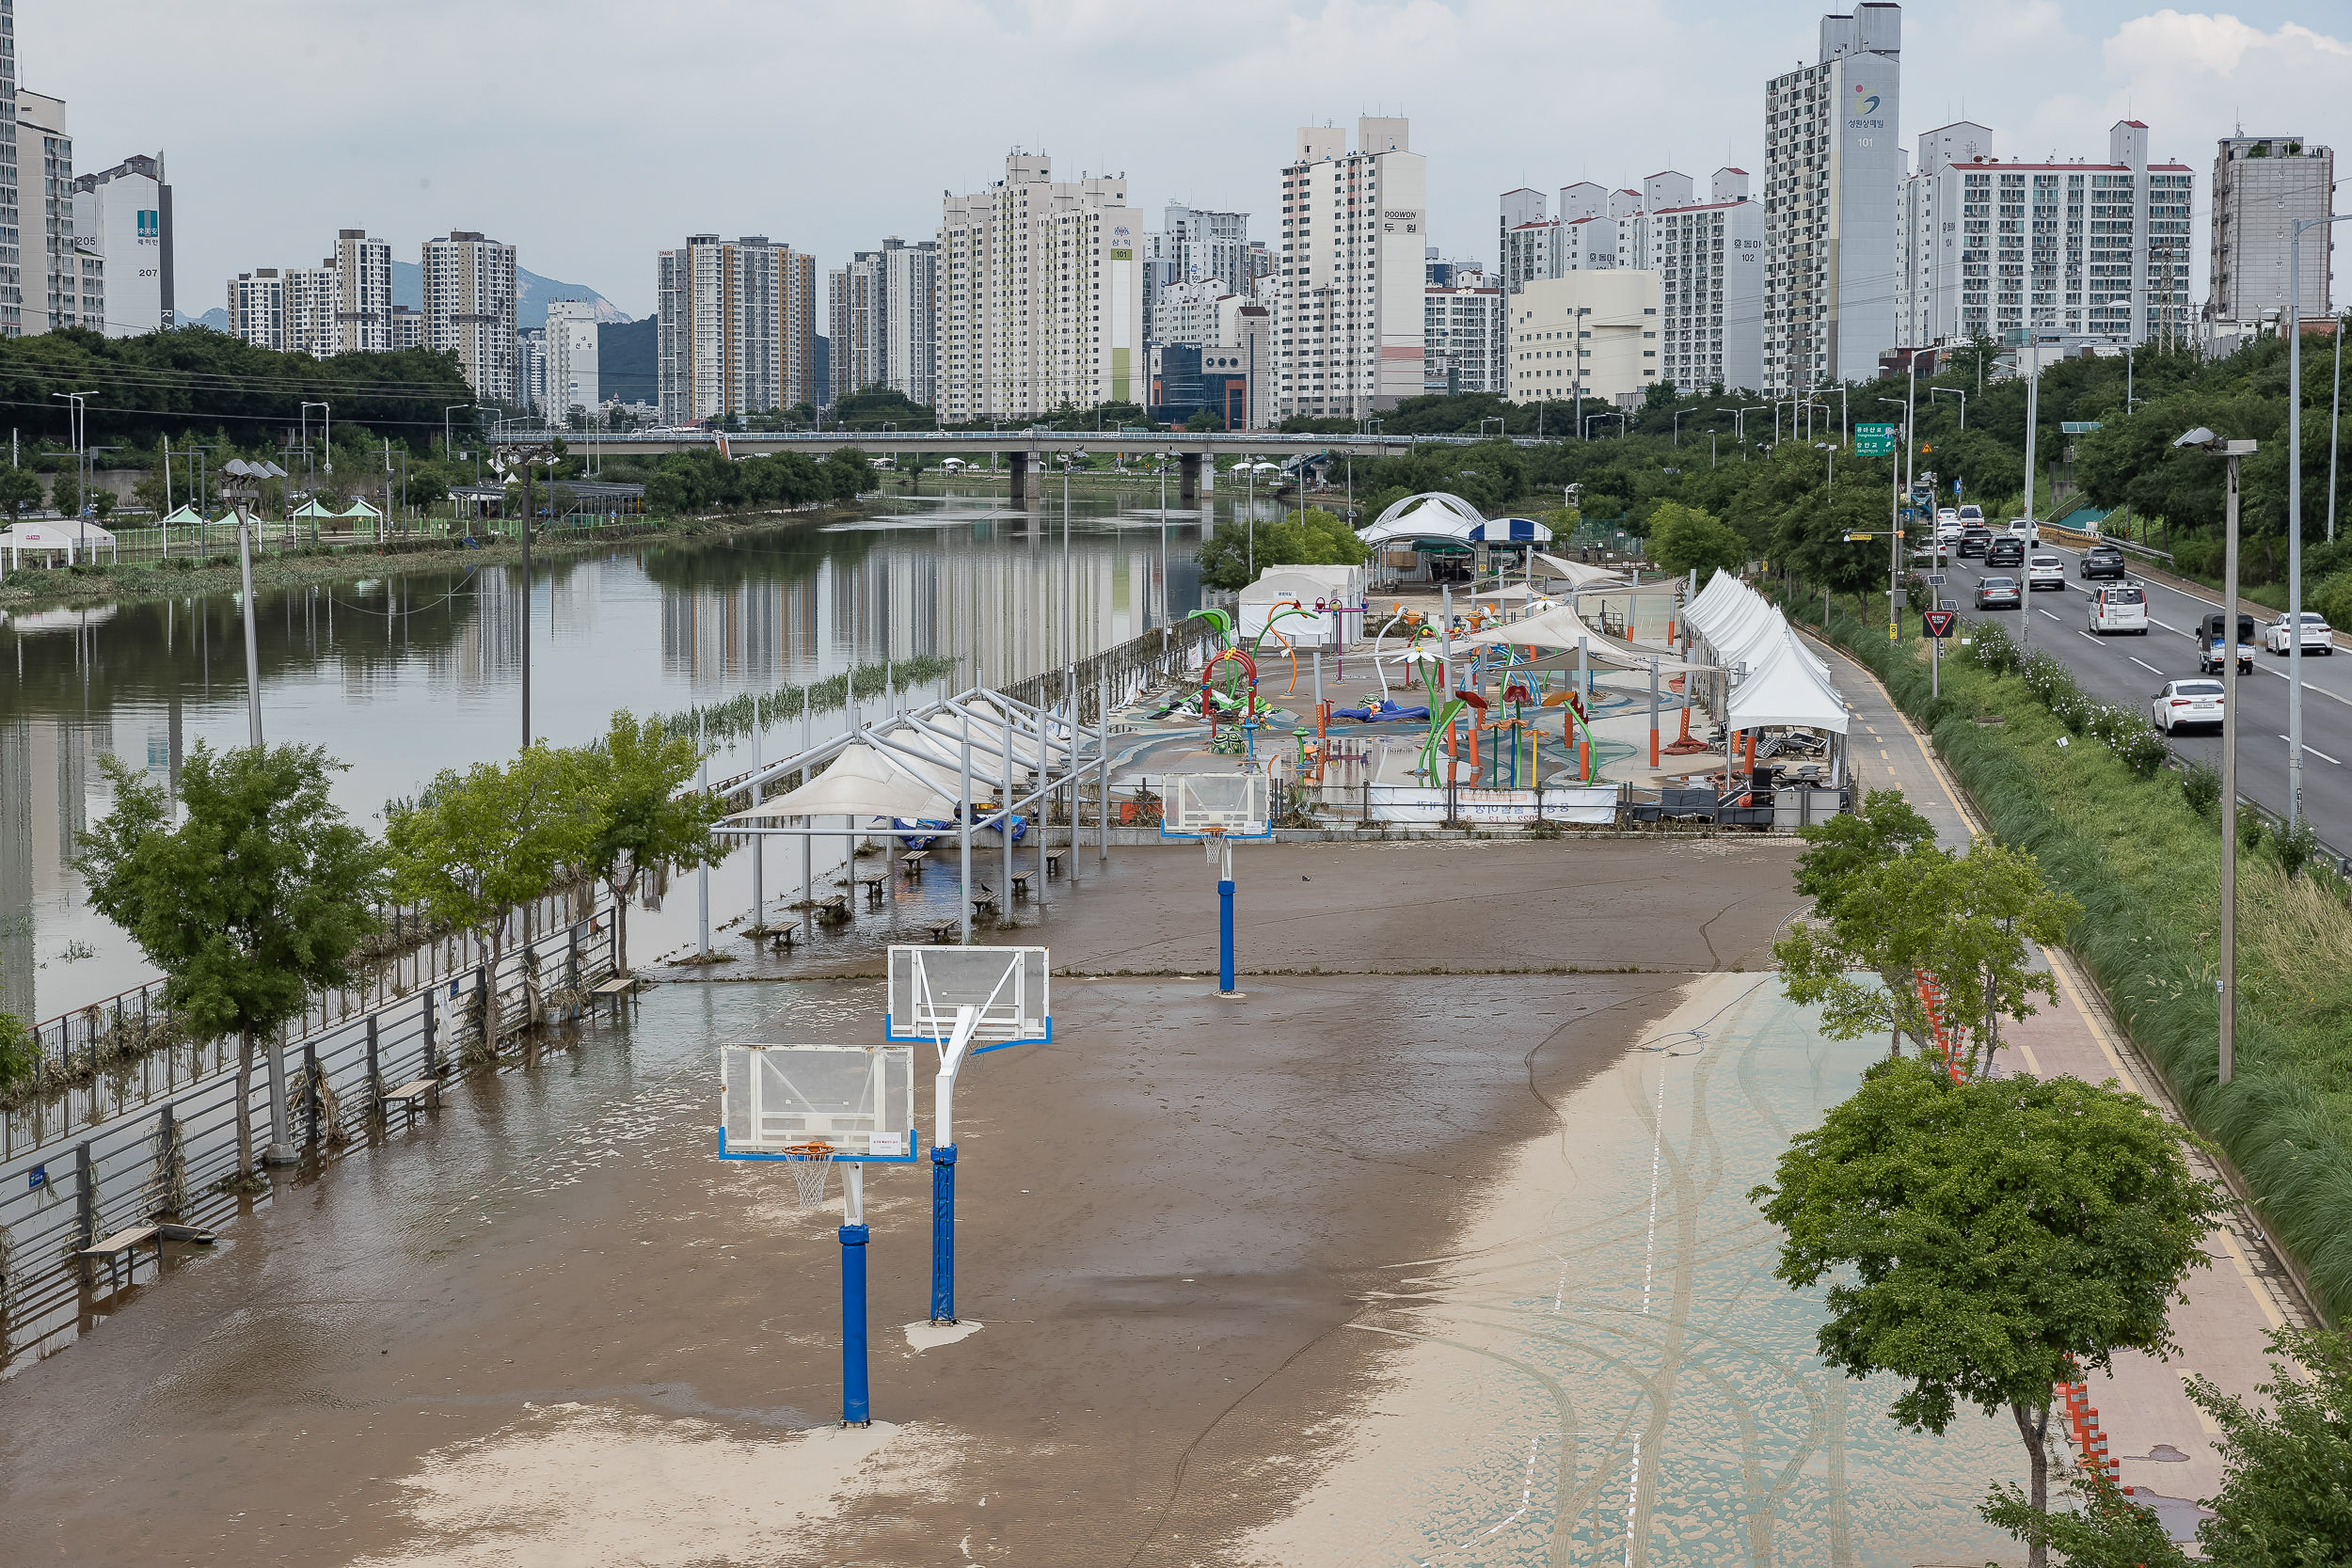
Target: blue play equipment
1382, 711
991, 823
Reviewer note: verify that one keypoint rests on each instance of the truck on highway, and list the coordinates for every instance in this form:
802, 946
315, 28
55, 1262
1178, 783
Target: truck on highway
2209, 643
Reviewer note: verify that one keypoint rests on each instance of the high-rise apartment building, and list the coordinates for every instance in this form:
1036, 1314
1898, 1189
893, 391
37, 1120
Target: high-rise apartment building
1709, 257
1591, 334
1352, 305
1195, 245
1987, 245
910, 319
469, 310
125, 214
313, 306
11, 221
853, 318
71, 290
2261, 185
1832, 166
571, 378
1462, 334
363, 310
1583, 235
738, 328
1041, 295
257, 307
408, 327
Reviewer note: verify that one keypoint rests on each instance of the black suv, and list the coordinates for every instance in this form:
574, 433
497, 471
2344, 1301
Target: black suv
2102, 561
2006, 551
1974, 540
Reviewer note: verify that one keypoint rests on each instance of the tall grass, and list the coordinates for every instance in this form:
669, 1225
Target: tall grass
732, 719
2145, 864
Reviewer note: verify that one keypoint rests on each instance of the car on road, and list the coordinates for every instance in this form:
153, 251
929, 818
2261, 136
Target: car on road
2005, 552
2209, 654
2019, 528
2121, 607
1999, 594
1947, 530
1936, 554
1971, 513
2045, 571
1974, 539
2180, 703
2317, 636
2102, 561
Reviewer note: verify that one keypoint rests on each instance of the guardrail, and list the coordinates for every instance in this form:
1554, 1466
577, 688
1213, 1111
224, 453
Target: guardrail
165, 1161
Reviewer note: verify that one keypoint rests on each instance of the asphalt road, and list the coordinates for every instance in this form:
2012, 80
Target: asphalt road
2129, 670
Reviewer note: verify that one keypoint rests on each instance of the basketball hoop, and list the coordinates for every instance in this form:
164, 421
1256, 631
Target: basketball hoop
811, 1164
1213, 840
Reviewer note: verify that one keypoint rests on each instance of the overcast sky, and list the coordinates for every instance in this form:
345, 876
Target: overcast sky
592, 133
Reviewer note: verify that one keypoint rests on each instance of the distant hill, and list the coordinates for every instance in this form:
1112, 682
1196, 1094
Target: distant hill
625, 359
531, 309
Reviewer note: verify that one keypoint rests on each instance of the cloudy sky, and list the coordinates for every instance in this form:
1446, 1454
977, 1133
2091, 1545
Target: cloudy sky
591, 134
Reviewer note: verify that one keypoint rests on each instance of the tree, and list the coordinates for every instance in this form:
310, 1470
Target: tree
2286, 1480
65, 494
2105, 1530
1966, 919
256, 899
1205, 419
19, 1051
638, 816
1990, 1239
19, 489
1324, 540
1885, 828
475, 845
1684, 539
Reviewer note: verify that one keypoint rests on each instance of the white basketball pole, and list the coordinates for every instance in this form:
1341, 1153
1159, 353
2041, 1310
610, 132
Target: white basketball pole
702, 785
1103, 763
1004, 813
963, 831
808, 879
759, 841
1043, 786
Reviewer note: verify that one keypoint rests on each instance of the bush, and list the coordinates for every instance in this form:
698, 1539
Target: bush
19, 1051
1992, 651
2295, 844
2200, 786
2333, 599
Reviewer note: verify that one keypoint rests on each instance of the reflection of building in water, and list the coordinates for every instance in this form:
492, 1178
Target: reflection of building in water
48, 770
481, 651
16, 868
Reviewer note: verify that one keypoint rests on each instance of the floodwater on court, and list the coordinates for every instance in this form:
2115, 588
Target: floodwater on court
1608, 1371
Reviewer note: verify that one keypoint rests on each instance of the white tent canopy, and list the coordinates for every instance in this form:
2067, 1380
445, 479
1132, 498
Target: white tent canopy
1574, 573
1783, 690
1774, 678
861, 781
75, 536
1431, 515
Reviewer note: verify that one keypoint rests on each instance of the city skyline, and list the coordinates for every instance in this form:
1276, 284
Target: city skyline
1646, 87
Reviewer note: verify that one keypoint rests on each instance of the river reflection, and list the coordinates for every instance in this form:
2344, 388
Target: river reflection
403, 675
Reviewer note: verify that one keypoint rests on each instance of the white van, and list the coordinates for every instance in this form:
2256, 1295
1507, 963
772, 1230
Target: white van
1972, 512
2119, 607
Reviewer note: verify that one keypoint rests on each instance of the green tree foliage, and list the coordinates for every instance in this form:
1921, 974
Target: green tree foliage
875, 408
65, 493
19, 1051
638, 816
2104, 1529
1969, 920
1988, 1239
19, 489
256, 899
702, 481
474, 845
1684, 539
2287, 1483
1324, 541
1205, 420
1839, 852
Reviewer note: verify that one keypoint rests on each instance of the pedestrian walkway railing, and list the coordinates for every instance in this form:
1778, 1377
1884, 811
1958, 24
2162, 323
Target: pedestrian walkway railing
71, 1182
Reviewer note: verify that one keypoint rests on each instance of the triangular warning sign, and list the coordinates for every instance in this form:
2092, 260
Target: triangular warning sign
1939, 621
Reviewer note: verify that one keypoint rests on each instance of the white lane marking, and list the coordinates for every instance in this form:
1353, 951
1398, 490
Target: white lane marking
2317, 753
2079, 632
2144, 664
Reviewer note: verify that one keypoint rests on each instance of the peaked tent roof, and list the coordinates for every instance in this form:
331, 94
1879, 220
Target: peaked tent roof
860, 781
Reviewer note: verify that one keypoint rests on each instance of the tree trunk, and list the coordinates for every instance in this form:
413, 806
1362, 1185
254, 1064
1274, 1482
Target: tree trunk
2033, 1425
620, 935
245, 1102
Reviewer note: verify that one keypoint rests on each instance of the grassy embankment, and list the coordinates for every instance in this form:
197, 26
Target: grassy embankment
184, 576
2145, 864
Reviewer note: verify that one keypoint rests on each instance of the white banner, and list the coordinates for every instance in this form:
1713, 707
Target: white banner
1595, 804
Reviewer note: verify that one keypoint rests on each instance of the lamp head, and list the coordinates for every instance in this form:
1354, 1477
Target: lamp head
2200, 436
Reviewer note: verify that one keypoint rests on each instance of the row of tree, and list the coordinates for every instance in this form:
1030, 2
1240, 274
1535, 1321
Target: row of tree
1986, 1239
258, 892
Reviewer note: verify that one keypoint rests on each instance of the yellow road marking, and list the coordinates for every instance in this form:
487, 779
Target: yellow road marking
2213, 1428
2246, 1272
2098, 1033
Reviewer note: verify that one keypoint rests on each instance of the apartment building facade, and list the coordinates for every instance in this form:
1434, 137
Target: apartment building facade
1463, 332
66, 285
1039, 295
1833, 167
363, 310
2261, 187
1196, 245
738, 328
570, 378
470, 310
1353, 272
1591, 335
1709, 257
257, 307
884, 316
125, 214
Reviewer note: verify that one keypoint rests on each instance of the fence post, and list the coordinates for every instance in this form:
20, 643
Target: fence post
86, 1201
169, 1159
375, 1071
489, 998
312, 1097
432, 996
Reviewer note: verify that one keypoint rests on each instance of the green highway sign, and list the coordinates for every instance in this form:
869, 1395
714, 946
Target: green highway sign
1873, 440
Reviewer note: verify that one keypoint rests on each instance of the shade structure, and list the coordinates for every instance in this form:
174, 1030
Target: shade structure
1774, 679
184, 515
1557, 627
1431, 515
861, 781
1575, 574
1783, 690
1516, 531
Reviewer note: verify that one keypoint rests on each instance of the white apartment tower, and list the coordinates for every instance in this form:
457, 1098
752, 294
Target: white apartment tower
571, 360
257, 307
1462, 336
1041, 295
1831, 171
1353, 275
72, 288
1985, 246
11, 273
1195, 245
125, 214
1709, 260
313, 307
1582, 237
738, 328
363, 309
885, 314
853, 305
2260, 184
470, 310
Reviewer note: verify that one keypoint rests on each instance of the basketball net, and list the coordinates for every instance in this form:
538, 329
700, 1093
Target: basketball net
809, 1172
1211, 840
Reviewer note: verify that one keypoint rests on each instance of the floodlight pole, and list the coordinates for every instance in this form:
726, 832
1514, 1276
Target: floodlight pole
944, 1165
963, 834
857, 1404
252, 654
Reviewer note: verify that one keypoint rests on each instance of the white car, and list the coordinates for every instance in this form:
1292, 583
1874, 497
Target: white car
2119, 607
2318, 637
1971, 513
2045, 571
2020, 528
2190, 701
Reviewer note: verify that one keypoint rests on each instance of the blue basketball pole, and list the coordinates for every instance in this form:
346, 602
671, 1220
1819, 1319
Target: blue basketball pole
1225, 918
856, 1409
944, 1234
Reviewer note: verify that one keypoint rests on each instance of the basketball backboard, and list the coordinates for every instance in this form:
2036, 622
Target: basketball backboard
775, 1100
1234, 805
1007, 985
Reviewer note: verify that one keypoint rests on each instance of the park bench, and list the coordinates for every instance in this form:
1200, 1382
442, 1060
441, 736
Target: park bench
834, 911
911, 865
123, 1247
1020, 886
1052, 863
780, 939
945, 931
616, 988
873, 886
410, 1096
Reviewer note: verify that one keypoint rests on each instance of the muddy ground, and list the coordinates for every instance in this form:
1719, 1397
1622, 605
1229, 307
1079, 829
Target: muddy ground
550, 1327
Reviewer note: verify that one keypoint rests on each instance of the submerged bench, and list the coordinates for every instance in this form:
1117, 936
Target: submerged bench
410, 1096
616, 988
123, 1248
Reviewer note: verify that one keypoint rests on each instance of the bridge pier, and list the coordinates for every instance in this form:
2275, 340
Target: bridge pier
1020, 461
1188, 478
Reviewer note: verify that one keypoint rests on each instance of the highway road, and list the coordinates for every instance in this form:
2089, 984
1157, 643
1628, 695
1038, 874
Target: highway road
2129, 670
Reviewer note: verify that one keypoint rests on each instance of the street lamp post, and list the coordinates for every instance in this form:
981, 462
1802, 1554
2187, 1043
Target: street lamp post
77, 426
1895, 537
329, 416
2294, 506
527, 454
1934, 392
449, 448
2202, 439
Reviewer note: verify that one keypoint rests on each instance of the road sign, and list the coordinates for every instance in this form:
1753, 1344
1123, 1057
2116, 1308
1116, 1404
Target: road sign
1860, 538
1935, 579
1939, 622
1873, 440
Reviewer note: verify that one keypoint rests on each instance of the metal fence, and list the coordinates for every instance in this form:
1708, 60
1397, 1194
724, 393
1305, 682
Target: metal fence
165, 1159
1133, 667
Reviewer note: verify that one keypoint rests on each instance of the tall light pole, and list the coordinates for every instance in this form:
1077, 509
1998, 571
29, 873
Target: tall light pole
448, 448
2294, 506
528, 453
2033, 420
1893, 537
2202, 439
76, 424
1934, 392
